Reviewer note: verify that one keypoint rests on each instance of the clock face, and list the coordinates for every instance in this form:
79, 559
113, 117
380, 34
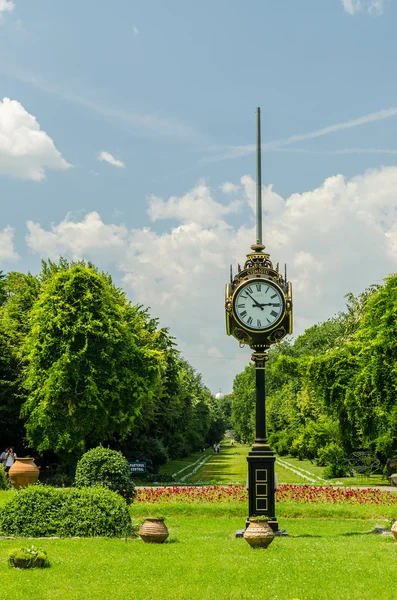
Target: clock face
258, 304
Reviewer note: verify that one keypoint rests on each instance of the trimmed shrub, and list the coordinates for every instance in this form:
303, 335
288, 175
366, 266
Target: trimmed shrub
40, 510
107, 468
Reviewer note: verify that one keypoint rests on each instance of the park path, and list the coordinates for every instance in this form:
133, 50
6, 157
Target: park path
229, 466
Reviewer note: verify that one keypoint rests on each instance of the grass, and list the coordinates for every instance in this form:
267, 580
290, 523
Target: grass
230, 466
323, 559
227, 466
175, 466
330, 554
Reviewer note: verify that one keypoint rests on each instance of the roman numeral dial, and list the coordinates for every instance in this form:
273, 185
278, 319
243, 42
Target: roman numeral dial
258, 305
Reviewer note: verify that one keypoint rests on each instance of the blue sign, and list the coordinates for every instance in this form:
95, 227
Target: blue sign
137, 467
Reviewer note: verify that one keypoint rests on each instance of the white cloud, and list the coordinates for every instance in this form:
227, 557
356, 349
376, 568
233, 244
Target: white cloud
372, 7
229, 188
6, 6
351, 6
135, 30
25, 150
196, 206
109, 158
339, 237
88, 238
7, 251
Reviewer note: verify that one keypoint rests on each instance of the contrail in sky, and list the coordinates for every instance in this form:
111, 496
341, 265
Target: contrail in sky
239, 151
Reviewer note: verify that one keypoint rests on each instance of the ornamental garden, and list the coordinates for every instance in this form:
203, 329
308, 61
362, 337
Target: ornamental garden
90, 383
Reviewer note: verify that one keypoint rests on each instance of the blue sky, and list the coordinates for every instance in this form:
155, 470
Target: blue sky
129, 141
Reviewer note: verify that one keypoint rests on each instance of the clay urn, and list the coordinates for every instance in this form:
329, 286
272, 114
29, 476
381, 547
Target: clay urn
23, 472
394, 530
259, 534
154, 530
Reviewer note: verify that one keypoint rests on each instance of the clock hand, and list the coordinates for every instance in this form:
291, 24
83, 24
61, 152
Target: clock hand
256, 303
270, 304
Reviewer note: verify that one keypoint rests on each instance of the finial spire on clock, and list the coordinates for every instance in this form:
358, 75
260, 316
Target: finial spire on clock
258, 178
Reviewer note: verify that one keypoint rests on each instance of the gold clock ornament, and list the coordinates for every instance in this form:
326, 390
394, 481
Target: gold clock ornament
258, 302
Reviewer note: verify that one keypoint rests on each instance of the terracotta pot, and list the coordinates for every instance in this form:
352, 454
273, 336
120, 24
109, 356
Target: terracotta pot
259, 534
154, 530
23, 472
394, 530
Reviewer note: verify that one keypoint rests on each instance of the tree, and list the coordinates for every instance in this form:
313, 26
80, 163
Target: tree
243, 407
88, 372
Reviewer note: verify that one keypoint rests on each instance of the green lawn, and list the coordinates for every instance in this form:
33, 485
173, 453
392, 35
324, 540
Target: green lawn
180, 465
230, 466
330, 559
330, 554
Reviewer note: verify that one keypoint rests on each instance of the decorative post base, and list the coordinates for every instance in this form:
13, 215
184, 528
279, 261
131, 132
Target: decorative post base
261, 485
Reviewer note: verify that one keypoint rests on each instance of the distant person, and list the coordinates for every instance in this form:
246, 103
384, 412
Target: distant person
232, 442
3, 457
215, 448
10, 458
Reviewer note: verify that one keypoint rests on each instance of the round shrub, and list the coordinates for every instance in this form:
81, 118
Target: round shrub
108, 468
41, 510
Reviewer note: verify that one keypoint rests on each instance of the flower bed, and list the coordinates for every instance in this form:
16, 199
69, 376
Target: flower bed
334, 495
284, 493
191, 494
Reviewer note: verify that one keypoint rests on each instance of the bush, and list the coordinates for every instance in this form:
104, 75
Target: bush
107, 468
333, 457
41, 510
281, 441
4, 485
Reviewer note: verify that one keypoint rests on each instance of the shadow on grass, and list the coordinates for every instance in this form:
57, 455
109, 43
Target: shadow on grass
357, 533
305, 535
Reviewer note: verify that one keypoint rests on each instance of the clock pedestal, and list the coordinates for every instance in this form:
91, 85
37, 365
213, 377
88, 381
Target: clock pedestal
261, 459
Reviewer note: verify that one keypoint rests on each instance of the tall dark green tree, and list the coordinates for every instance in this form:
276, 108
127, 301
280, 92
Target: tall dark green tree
87, 372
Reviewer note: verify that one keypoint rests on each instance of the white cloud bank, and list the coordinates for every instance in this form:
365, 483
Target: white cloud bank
6, 6
109, 158
25, 150
339, 237
372, 7
7, 251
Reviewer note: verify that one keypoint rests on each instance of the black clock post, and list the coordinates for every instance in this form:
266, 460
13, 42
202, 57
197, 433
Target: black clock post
259, 314
261, 459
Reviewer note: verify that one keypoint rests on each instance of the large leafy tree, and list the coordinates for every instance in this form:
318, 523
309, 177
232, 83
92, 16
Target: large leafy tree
358, 381
88, 369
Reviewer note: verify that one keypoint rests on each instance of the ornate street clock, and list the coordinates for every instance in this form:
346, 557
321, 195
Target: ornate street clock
258, 302
259, 314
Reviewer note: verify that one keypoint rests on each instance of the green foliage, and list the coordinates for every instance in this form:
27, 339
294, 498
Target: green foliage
28, 558
4, 485
88, 372
78, 363
3, 293
156, 477
333, 458
39, 510
108, 468
335, 384
225, 405
243, 407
